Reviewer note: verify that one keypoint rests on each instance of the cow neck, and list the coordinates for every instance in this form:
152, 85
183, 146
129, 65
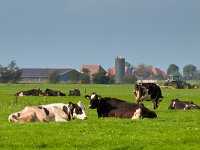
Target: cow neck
98, 102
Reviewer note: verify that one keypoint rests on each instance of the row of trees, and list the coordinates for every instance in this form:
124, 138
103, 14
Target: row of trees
190, 71
10, 73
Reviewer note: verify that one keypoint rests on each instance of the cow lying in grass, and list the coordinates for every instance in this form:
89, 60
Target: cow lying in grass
32, 92
57, 112
178, 104
50, 92
112, 107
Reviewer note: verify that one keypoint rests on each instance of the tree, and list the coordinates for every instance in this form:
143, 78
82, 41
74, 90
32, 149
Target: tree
173, 70
143, 71
86, 71
85, 78
100, 78
190, 72
11, 73
198, 75
3, 74
54, 77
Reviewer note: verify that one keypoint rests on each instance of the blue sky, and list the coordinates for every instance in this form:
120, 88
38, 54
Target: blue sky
70, 33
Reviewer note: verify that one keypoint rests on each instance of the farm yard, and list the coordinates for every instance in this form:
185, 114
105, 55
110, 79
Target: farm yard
172, 129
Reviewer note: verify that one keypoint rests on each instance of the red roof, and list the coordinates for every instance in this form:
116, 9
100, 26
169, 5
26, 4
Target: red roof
112, 71
157, 71
92, 68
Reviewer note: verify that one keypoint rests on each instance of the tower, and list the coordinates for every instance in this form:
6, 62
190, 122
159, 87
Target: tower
119, 69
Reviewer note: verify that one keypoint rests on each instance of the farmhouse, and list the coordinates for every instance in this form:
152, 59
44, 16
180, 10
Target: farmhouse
42, 74
92, 69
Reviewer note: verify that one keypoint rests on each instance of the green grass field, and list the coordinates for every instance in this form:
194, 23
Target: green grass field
171, 130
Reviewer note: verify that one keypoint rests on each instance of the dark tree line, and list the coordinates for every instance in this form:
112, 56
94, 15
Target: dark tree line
10, 73
190, 72
98, 78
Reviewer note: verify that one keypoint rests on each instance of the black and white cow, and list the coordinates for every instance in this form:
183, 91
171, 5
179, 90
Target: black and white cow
75, 92
32, 92
112, 107
148, 91
50, 92
58, 112
178, 104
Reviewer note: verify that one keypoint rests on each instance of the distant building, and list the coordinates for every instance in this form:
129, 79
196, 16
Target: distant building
129, 71
42, 74
93, 69
119, 69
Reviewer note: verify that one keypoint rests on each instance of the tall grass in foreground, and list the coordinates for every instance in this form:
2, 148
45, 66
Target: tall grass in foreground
171, 130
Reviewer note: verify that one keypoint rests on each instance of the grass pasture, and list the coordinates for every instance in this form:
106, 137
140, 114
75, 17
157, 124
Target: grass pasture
171, 130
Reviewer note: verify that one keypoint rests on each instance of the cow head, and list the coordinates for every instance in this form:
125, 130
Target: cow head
14, 117
77, 110
140, 92
38, 92
94, 100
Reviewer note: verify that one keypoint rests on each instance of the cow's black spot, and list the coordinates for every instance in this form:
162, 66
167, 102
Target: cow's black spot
18, 114
15, 117
65, 109
46, 111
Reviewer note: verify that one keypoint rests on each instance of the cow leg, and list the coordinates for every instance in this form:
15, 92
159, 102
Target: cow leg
58, 119
155, 104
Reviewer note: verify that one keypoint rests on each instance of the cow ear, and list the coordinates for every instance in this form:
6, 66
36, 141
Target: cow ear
46, 111
65, 109
99, 97
71, 105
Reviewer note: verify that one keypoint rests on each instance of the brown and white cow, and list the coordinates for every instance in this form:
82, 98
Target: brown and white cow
113, 107
58, 112
184, 105
149, 92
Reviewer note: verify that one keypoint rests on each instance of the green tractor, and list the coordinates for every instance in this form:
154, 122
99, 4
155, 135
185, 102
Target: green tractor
175, 81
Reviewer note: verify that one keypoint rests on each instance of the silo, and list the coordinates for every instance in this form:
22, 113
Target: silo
119, 69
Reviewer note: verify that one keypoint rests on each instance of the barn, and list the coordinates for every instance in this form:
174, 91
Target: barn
92, 69
41, 75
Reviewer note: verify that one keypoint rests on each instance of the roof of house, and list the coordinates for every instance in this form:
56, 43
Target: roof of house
42, 72
113, 70
92, 68
157, 71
